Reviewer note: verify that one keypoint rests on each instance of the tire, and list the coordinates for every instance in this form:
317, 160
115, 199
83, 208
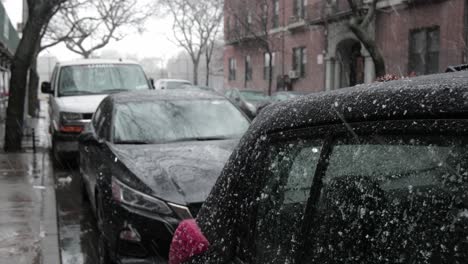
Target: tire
103, 249
56, 160
83, 191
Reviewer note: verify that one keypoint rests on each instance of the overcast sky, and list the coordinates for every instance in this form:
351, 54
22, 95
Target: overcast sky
152, 43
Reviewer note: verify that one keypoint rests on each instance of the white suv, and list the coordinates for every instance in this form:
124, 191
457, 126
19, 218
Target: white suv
77, 88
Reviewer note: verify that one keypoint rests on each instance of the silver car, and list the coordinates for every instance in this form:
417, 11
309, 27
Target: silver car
77, 88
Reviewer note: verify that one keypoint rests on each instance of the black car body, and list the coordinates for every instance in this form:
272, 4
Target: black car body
140, 190
285, 95
372, 174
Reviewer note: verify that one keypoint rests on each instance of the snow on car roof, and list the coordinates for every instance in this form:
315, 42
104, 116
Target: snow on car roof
161, 95
432, 96
174, 80
95, 61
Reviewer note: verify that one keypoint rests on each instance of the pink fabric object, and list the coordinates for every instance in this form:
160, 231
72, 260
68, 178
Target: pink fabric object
188, 241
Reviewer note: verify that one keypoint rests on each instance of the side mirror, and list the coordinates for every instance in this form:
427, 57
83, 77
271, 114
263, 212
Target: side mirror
188, 241
46, 88
152, 83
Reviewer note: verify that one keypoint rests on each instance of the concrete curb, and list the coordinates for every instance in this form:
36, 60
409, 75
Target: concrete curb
50, 241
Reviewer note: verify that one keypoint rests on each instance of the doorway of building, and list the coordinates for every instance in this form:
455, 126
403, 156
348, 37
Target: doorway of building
349, 64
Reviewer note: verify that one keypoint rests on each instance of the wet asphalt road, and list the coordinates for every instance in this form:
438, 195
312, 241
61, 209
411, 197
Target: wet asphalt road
77, 226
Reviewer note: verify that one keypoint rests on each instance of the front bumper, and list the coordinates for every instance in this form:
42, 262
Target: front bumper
155, 233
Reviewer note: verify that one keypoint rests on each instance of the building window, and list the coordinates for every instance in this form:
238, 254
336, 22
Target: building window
248, 68
424, 51
300, 61
232, 69
264, 14
249, 21
299, 8
275, 13
6, 27
228, 26
266, 65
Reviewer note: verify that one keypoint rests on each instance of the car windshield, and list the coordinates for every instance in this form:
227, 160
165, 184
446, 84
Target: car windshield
177, 120
381, 197
100, 79
177, 85
254, 96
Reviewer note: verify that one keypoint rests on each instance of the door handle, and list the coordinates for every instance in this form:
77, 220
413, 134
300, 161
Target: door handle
86, 148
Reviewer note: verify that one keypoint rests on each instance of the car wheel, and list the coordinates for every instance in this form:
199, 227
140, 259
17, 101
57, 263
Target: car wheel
103, 249
84, 192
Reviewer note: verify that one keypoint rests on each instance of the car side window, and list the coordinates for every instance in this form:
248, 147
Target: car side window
283, 199
53, 78
402, 199
97, 117
104, 124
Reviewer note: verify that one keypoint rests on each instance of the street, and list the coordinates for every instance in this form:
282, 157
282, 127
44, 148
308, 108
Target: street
76, 223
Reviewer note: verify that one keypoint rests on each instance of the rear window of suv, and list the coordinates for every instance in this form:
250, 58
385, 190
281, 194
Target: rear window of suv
383, 199
393, 199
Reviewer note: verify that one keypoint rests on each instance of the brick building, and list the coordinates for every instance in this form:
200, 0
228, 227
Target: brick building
312, 48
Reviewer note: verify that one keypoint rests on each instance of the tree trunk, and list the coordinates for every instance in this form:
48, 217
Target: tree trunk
371, 47
19, 73
33, 90
195, 71
207, 82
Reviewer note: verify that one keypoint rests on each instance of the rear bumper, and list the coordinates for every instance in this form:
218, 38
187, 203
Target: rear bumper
154, 260
66, 143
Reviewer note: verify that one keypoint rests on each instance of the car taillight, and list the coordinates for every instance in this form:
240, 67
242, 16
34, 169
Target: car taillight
71, 129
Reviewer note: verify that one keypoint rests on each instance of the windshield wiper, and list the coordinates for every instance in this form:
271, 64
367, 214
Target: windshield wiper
76, 93
199, 139
132, 142
212, 138
115, 90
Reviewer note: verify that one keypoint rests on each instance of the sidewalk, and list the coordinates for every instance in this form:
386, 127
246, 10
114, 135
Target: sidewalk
28, 215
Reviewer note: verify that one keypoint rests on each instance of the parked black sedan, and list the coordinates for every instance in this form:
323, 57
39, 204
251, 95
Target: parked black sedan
372, 174
149, 160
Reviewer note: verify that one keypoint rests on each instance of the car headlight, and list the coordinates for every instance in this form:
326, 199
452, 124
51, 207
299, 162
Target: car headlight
133, 198
66, 116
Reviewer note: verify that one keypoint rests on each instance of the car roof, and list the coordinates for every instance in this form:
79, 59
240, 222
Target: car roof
164, 95
426, 97
95, 61
173, 80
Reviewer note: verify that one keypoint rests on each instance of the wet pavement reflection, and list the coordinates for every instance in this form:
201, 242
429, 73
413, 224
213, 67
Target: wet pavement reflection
77, 225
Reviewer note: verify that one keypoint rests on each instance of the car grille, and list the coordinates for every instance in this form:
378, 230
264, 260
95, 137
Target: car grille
194, 208
87, 116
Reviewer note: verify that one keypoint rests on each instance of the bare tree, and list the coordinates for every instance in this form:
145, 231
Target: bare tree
362, 15
39, 14
250, 27
196, 26
48, 40
90, 25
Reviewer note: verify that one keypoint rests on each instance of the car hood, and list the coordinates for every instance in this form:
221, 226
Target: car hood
80, 104
181, 173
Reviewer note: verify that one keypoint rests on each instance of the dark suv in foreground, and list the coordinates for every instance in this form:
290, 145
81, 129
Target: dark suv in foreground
372, 174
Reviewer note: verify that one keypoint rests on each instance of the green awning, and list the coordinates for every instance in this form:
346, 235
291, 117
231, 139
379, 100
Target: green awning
9, 38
